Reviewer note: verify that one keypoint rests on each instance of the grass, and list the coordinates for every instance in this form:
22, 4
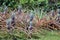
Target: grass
51, 36
45, 35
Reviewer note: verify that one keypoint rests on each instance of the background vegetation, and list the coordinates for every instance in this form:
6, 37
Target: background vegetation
31, 4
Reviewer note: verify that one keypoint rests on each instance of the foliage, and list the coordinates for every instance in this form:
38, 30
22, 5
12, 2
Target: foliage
9, 3
30, 4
